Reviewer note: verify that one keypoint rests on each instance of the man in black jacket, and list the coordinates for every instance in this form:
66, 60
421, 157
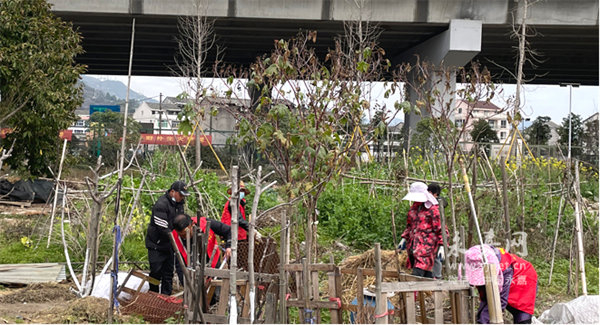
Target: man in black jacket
160, 251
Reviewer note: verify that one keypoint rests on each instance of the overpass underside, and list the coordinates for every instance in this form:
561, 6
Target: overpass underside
568, 53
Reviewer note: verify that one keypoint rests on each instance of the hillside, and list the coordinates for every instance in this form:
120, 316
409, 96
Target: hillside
106, 92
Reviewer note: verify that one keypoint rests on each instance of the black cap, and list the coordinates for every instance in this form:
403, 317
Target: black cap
180, 187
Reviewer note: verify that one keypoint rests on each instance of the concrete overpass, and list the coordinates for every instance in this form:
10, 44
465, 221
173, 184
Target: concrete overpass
567, 31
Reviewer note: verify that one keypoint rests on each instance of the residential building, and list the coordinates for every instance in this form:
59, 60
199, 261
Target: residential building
482, 110
218, 122
392, 148
494, 115
81, 127
164, 118
554, 137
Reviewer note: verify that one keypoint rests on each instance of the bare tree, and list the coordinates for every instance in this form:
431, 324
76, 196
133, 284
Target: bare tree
438, 97
196, 39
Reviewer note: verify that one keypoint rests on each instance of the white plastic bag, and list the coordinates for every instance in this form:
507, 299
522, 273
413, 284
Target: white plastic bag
102, 285
582, 310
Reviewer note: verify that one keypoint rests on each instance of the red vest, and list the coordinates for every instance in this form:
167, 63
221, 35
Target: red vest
226, 219
523, 287
210, 246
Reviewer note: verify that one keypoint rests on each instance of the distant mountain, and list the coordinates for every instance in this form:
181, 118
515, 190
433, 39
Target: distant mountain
112, 87
107, 92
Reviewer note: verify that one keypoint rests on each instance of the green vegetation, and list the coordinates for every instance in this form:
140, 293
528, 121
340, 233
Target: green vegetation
38, 82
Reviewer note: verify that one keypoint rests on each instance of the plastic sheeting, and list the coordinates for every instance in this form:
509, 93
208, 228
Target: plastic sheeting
37, 191
582, 310
102, 285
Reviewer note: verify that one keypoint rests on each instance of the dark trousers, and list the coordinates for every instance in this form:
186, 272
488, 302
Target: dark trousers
161, 268
417, 271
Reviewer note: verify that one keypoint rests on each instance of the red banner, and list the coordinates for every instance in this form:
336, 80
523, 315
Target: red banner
66, 134
169, 139
63, 134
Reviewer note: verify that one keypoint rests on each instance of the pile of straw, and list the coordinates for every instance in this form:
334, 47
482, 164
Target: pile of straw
390, 261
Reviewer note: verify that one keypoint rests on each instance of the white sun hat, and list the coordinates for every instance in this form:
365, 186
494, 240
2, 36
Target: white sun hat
417, 192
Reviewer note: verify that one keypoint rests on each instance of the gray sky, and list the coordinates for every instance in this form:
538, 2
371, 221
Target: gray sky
545, 100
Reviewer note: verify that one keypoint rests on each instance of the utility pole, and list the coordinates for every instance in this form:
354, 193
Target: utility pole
160, 114
571, 85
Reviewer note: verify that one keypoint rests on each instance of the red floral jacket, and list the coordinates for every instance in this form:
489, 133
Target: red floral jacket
423, 235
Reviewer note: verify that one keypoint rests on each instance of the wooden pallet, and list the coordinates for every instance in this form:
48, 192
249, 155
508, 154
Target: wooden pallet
21, 204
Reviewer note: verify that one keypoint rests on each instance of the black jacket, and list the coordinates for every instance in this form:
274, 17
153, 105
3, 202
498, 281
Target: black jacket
242, 223
161, 223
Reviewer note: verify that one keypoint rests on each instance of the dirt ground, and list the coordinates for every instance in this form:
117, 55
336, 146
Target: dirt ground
51, 304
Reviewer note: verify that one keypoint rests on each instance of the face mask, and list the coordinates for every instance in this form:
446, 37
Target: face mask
242, 194
173, 199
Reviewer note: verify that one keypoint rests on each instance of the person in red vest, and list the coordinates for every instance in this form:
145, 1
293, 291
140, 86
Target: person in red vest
184, 222
243, 224
517, 281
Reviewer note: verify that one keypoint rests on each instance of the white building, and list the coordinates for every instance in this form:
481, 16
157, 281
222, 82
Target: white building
220, 126
164, 118
81, 127
496, 117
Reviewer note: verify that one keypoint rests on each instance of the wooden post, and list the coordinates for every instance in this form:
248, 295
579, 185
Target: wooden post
422, 307
493, 293
315, 293
380, 299
472, 310
411, 317
306, 291
270, 308
438, 298
282, 274
360, 311
332, 284
233, 204
223, 298
444, 236
60, 165
579, 229
203, 254
463, 316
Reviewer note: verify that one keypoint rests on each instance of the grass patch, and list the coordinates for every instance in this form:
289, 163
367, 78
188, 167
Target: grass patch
16, 252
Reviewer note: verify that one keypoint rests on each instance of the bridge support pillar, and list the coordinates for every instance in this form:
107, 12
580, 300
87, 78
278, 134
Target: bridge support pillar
452, 48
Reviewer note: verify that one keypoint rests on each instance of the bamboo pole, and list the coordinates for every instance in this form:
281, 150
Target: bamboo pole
444, 235
561, 209
60, 165
282, 262
64, 242
233, 204
251, 243
507, 232
492, 289
120, 179
579, 229
380, 302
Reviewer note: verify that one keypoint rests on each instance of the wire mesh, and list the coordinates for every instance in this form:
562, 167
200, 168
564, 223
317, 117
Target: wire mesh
266, 259
153, 307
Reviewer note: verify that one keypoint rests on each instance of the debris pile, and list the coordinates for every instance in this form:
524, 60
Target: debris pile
390, 261
39, 292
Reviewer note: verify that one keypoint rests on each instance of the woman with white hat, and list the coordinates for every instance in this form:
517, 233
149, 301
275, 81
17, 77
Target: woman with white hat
423, 235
